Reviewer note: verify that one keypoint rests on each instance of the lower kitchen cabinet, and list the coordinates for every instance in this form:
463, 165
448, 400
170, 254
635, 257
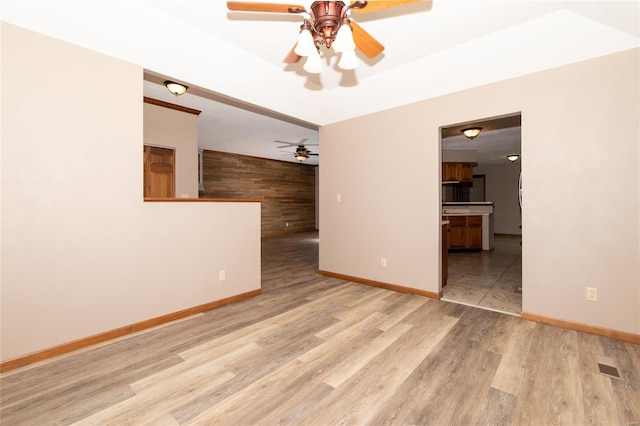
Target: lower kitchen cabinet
465, 232
457, 232
474, 232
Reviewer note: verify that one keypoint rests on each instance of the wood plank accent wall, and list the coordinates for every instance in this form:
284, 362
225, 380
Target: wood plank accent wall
287, 190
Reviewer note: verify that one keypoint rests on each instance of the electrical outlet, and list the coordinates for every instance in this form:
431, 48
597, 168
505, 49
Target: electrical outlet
221, 276
286, 225
592, 294
338, 197
383, 262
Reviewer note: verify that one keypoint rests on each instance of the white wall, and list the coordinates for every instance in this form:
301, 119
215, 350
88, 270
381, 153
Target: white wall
501, 187
81, 252
170, 128
459, 156
580, 136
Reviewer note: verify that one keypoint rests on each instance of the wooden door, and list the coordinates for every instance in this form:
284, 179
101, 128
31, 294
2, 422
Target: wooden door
159, 179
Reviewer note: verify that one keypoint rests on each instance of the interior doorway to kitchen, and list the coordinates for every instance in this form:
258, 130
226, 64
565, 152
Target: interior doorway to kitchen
482, 209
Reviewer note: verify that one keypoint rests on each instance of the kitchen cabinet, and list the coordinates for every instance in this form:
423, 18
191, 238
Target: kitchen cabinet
474, 232
465, 232
459, 172
457, 232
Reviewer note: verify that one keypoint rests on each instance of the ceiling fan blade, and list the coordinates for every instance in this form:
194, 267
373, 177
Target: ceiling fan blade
374, 5
365, 42
301, 143
292, 57
247, 6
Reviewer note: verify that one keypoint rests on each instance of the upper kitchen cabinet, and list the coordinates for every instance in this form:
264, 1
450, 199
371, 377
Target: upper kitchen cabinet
459, 172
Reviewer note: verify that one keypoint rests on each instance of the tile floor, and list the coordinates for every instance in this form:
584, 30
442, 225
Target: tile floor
492, 280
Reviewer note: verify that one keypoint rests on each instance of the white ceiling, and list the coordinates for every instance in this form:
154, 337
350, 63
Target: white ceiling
240, 130
491, 147
432, 48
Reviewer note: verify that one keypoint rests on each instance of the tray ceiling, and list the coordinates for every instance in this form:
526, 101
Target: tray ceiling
234, 59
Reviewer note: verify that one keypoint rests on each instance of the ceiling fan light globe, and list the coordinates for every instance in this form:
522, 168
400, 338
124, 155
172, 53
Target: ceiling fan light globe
348, 60
313, 64
344, 39
305, 45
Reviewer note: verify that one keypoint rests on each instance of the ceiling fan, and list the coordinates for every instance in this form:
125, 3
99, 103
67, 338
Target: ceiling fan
302, 153
327, 23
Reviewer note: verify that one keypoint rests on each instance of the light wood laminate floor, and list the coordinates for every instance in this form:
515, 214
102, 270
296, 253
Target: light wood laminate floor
490, 280
314, 350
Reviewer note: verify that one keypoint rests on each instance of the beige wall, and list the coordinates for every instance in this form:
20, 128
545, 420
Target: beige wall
580, 138
170, 128
81, 252
501, 187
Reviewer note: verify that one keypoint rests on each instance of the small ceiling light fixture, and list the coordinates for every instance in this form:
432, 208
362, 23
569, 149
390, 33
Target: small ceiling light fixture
471, 132
175, 88
513, 157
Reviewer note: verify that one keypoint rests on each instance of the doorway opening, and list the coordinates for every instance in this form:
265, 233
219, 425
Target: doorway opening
481, 212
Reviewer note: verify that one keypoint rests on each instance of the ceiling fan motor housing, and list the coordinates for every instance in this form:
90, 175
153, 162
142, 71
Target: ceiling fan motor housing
326, 17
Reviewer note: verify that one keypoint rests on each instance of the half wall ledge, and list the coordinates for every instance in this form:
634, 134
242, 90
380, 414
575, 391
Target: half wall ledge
203, 200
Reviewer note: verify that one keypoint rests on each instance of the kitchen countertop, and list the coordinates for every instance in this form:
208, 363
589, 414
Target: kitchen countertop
466, 214
463, 203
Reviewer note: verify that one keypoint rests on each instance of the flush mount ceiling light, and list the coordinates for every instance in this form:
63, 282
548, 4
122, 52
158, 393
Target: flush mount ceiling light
513, 157
175, 88
471, 132
327, 23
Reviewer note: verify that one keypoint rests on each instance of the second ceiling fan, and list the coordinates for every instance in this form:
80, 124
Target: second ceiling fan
302, 153
327, 23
